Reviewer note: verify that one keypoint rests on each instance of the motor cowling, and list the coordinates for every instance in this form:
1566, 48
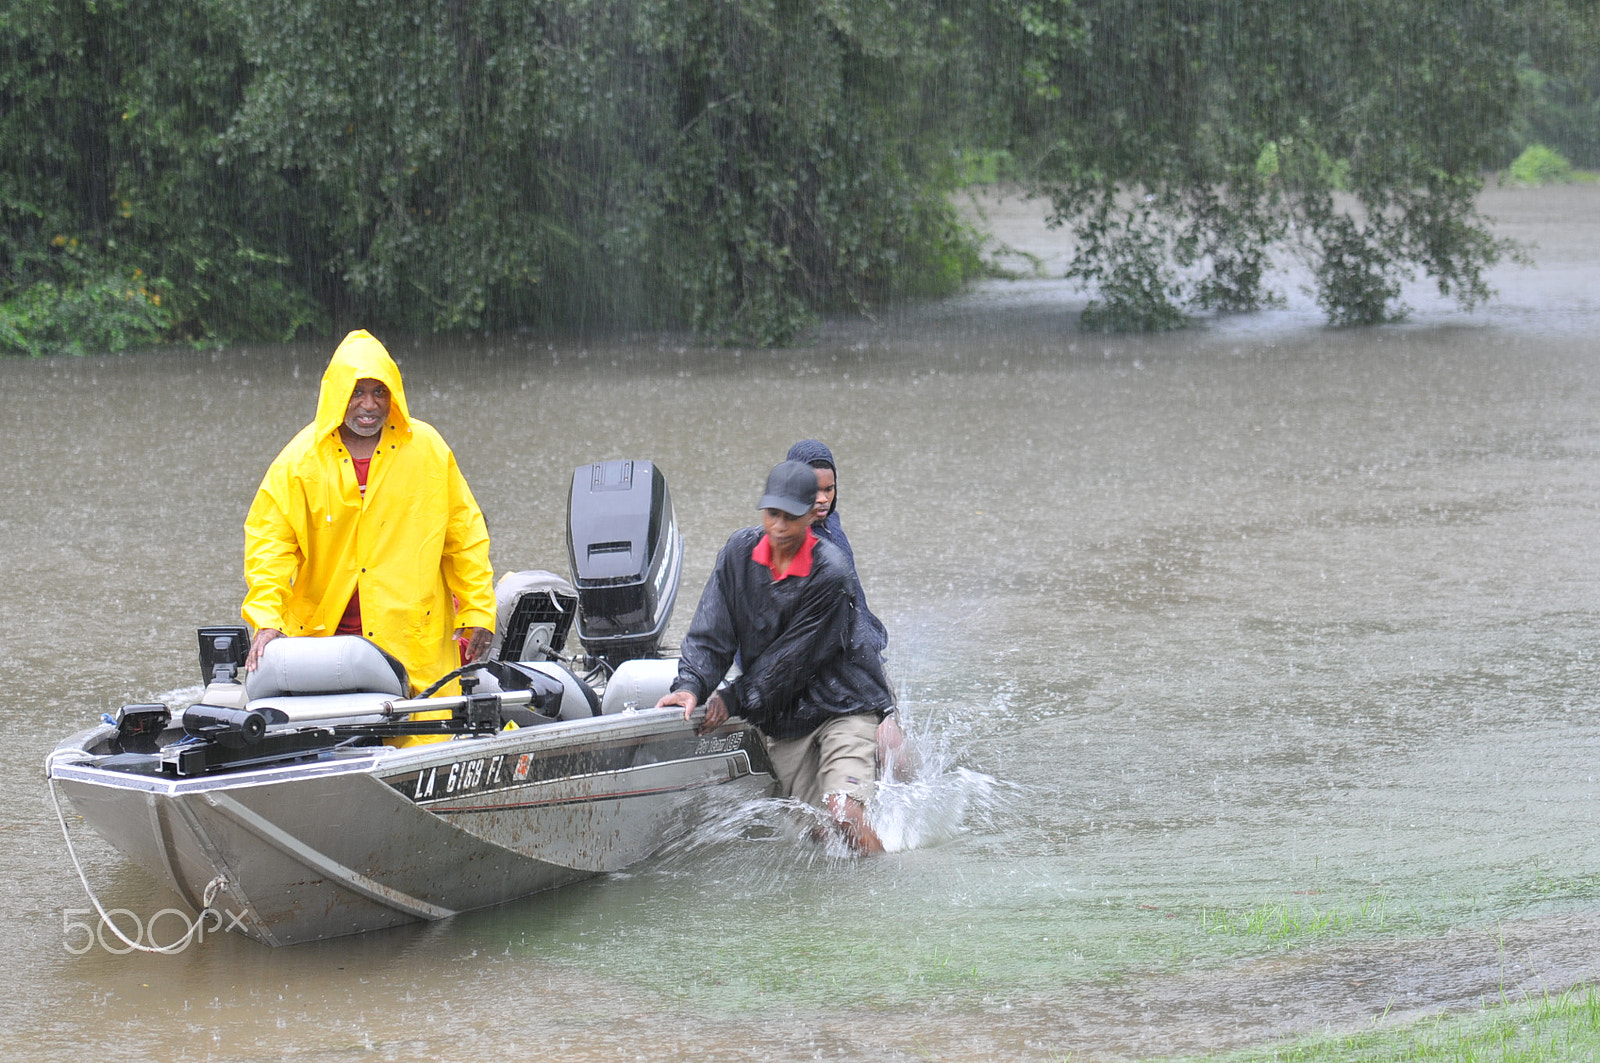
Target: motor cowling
626, 556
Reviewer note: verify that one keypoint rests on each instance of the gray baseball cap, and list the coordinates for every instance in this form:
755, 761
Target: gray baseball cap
791, 487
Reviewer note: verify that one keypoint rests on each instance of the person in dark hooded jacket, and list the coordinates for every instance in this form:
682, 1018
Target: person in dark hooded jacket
783, 601
893, 757
826, 523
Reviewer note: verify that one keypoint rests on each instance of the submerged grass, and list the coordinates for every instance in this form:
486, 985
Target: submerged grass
1288, 922
1548, 887
1546, 1029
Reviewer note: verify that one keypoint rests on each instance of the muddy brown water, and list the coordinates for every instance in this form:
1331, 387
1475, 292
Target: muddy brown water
1254, 668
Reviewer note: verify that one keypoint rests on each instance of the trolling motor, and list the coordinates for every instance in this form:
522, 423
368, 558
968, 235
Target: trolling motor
234, 728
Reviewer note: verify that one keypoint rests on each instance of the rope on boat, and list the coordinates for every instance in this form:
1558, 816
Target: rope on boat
212, 888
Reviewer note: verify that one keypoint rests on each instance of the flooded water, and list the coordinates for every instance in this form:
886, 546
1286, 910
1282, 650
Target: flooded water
1254, 669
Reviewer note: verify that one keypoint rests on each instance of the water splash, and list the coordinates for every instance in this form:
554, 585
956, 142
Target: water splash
778, 821
931, 800
928, 797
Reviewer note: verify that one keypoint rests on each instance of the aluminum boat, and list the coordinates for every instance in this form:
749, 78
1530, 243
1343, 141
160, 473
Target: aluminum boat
286, 805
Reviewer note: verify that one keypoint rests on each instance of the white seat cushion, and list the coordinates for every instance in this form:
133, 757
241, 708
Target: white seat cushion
639, 684
338, 664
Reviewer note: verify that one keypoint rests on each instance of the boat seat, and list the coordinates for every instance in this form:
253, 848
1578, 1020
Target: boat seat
543, 629
343, 678
639, 684
339, 664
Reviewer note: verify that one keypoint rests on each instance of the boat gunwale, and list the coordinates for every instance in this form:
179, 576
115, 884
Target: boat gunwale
378, 761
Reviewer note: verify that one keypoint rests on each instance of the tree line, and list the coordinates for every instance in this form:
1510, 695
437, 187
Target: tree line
221, 170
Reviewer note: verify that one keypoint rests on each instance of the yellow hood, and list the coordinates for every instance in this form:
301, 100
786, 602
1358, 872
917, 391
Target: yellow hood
359, 357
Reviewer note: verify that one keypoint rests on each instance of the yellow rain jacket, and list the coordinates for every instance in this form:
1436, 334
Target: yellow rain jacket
414, 542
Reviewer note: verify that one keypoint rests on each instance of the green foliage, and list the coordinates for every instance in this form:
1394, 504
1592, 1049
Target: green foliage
1547, 1028
1358, 269
1538, 165
288, 164
1127, 256
104, 312
1238, 122
109, 130
983, 168
1558, 75
1230, 237
1561, 110
791, 186
1154, 258
280, 166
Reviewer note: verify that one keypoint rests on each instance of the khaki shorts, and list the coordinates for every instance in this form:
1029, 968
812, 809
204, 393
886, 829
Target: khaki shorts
841, 756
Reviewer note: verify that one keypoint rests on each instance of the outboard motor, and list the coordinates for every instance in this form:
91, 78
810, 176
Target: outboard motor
626, 555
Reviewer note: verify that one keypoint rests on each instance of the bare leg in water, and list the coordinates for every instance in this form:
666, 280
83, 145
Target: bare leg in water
896, 760
850, 816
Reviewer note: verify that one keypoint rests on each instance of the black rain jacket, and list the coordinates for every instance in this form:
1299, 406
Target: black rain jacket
806, 650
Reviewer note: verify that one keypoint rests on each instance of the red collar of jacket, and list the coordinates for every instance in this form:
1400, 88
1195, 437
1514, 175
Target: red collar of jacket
800, 566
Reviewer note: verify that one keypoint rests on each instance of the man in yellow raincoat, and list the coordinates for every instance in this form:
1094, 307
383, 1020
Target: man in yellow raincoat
364, 525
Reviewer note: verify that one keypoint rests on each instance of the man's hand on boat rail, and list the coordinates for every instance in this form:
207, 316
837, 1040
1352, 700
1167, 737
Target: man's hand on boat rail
476, 642
716, 708
258, 644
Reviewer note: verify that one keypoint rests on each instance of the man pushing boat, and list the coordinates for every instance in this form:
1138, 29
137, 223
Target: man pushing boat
783, 602
364, 525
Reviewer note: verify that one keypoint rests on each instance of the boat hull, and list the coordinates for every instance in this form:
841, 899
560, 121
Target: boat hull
360, 840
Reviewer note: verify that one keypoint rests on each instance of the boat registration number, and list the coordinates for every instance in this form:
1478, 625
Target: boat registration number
465, 777
477, 775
